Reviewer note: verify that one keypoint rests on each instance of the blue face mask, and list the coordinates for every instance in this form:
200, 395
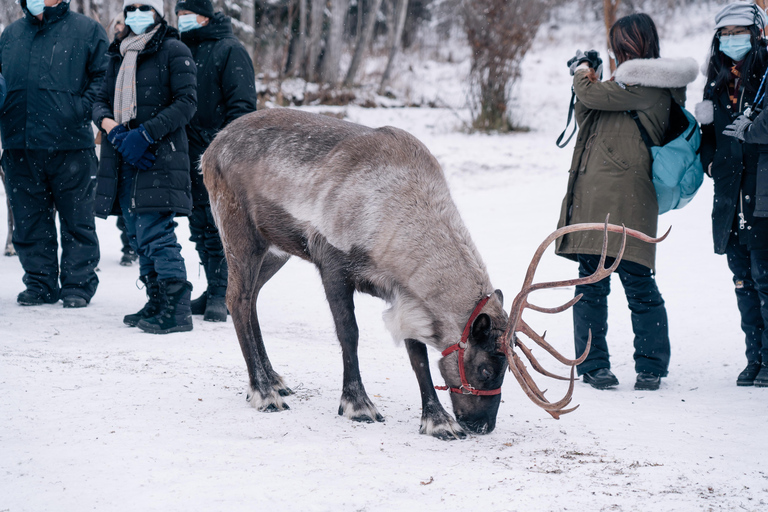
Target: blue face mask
736, 47
35, 7
188, 22
140, 21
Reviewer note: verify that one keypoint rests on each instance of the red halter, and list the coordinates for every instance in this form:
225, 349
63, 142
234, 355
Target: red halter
466, 388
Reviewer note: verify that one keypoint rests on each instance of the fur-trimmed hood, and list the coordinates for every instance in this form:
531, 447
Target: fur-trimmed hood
666, 73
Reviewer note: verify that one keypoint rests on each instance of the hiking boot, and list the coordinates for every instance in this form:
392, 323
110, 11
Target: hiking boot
128, 258
197, 306
216, 307
748, 374
761, 381
175, 315
602, 378
647, 382
154, 304
74, 301
31, 297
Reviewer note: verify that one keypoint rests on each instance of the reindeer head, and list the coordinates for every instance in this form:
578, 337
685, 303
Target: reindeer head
488, 344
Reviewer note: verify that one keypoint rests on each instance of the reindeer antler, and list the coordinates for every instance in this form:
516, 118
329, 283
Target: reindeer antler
509, 340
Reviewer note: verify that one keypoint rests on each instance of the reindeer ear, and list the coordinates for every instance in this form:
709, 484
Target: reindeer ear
481, 329
500, 296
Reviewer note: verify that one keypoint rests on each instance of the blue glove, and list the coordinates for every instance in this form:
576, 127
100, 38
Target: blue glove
135, 144
146, 161
117, 134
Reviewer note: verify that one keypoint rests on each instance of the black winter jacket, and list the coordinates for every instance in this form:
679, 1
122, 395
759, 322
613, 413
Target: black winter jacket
53, 69
166, 100
225, 89
734, 168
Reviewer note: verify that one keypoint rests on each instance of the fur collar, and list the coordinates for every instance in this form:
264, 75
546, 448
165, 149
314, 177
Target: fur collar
667, 73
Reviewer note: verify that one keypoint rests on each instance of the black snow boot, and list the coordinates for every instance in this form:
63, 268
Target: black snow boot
761, 380
155, 301
198, 305
175, 315
748, 375
216, 307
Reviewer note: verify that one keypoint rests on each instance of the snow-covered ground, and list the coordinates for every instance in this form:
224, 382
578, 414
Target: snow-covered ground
95, 415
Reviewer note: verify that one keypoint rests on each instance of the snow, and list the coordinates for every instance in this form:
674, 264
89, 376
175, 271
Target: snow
100, 416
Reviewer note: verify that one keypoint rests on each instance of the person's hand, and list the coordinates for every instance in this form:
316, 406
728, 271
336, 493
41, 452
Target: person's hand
577, 59
134, 145
595, 62
146, 161
738, 128
107, 124
116, 134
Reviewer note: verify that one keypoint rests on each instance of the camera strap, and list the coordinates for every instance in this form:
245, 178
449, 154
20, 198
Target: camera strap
559, 142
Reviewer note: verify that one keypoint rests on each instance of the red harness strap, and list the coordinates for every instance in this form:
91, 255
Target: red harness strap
466, 388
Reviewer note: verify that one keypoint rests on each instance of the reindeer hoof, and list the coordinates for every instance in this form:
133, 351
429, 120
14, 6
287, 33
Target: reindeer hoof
285, 391
363, 411
274, 408
445, 430
272, 402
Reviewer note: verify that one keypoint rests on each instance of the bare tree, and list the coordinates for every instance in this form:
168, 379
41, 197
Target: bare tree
316, 16
363, 39
397, 35
297, 59
499, 32
335, 41
610, 7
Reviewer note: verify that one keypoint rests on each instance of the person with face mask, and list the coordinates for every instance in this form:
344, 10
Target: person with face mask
54, 61
148, 97
226, 90
734, 152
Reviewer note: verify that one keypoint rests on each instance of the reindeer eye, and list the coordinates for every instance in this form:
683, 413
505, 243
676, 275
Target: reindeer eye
486, 373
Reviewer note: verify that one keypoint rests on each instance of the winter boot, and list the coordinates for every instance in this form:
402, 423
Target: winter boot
198, 305
748, 375
761, 381
154, 303
175, 315
216, 307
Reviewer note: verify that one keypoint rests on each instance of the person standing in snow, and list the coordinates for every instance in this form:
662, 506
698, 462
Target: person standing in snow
148, 97
734, 152
611, 174
225, 90
53, 61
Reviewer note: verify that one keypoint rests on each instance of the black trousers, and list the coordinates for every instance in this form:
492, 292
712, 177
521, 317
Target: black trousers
40, 183
750, 277
649, 317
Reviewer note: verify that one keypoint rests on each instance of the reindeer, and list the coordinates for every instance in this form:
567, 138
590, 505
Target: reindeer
372, 210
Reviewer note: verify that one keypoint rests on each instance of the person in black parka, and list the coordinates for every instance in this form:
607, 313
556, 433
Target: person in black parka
730, 153
53, 60
148, 97
225, 90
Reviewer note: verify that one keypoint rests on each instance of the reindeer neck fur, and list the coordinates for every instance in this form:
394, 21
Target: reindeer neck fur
374, 198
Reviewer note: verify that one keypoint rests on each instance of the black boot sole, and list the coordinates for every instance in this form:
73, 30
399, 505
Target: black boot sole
745, 383
151, 329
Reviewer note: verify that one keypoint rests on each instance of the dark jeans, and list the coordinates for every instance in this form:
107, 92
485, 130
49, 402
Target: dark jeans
750, 277
40, 183
649, 317
151, 234
205, 235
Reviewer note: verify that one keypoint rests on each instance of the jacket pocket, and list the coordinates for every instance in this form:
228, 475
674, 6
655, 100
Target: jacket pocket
614, 160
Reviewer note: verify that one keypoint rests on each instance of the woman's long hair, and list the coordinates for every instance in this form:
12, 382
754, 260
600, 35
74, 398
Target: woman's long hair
752, 67
634, 37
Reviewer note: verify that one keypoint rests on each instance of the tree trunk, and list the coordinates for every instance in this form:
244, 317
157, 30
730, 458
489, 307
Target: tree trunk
298, 56
402, 10
609, 9
363, 40
335, 41
316, 16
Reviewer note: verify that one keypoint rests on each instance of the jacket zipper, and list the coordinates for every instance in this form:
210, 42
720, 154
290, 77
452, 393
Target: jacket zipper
135, 186
53, 52
742, 218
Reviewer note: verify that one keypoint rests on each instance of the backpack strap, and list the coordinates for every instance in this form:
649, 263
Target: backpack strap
643, 132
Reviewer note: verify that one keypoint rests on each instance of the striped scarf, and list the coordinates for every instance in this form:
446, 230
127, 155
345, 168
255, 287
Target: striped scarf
125, 86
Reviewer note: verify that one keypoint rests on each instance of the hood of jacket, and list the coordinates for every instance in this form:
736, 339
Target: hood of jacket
219, 27
663, 73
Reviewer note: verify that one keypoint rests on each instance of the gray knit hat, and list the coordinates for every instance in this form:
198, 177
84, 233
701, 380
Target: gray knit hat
741, 14
157, 5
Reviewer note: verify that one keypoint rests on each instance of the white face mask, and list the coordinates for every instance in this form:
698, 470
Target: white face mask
35, 7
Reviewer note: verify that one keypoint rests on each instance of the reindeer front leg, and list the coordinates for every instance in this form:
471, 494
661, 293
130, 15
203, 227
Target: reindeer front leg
339, 291
435, 421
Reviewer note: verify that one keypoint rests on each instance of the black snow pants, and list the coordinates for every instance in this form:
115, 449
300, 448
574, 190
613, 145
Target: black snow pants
750, 277
39, 184
649, 317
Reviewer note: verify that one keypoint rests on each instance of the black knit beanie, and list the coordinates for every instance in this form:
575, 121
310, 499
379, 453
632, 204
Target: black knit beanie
201, 7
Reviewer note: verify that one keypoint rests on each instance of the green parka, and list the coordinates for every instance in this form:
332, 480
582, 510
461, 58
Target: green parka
611, 167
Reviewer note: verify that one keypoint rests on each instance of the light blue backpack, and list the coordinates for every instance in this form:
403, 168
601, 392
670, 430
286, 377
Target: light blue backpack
677, 171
